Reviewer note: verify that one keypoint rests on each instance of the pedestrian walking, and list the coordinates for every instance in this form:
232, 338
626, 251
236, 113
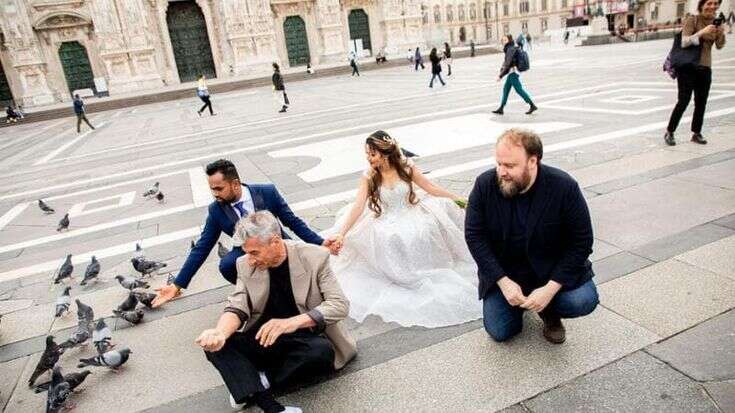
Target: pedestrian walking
448, 58
279, 89
731, 20
418, 59
521, 41
566, 36
528, 41
203, 93
436, 67
352, 57
699, 31
80, 110
510, 68
11, 116
472, 48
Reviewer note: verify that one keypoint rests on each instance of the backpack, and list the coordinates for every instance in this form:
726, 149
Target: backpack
521, 60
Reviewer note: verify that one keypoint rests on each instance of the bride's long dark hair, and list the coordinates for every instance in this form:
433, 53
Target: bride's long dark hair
381, 142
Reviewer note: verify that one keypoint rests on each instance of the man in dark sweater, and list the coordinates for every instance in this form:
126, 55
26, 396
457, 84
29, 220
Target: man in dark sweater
81, 113
529, 230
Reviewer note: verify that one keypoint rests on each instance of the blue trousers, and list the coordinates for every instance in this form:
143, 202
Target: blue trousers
503, 321
227, 265
514, 81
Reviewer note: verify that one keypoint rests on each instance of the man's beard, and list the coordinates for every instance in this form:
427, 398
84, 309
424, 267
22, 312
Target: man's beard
513, 187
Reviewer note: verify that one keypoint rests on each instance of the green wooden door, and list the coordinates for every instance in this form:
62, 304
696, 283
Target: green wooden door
6, 97
77, 70
188, 32
360, 28
297, 44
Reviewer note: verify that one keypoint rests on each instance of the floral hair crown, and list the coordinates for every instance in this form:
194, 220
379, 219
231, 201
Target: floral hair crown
388, 139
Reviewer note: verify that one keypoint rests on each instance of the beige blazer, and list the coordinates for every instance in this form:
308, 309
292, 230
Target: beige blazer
315, 289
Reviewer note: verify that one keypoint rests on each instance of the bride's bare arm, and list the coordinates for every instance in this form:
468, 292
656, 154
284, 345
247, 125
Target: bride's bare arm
357, 208
431, 188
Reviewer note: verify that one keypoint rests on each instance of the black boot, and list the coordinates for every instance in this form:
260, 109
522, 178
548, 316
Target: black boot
283, 109
532, 109
669, 139
698, 138
498, 111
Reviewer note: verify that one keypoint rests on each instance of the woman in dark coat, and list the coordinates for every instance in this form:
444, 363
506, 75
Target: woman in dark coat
436, 68
448, 58
279, 89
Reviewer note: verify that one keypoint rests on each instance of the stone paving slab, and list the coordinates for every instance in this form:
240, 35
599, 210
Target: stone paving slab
719, 174
9, 373
669, 297
672, 245
472, 373
636, 216
618, 265
723, 393
717, 257
705, 352
636, 383
602, 250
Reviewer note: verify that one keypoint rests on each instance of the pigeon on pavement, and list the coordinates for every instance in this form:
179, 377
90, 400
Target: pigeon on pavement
58, 392
144, 297
74, 380
151, 191
80, 336
159, 197
49, 357
65, 270
138, 250
132, 317
129, 303
64, 223
44, 207
221, 250
63, 302
102, 337
112, 359
93, 270
146, 267
131, 282
84, 312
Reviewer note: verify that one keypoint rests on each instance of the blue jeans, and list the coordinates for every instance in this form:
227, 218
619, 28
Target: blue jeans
503, 321
227, 265
514, 81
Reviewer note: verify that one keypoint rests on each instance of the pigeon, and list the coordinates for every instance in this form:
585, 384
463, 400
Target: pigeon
58, 391
159, 197
80, 336
84, 312
138, 251
129, 303
144, 297
131, 282
132, 317
112, 359
170, 279
93, 270
49, 357
74, 380
45, 208
63, 302
146, 267
65, 270
151, 191
64, 223
221, 250
102, 337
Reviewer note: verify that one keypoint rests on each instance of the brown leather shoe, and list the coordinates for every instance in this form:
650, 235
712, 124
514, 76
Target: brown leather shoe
554, 331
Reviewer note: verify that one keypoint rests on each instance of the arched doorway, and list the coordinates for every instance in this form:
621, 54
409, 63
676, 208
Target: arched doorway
6, 96
189, 40
77, 70
360, 27
297, 43
462, 34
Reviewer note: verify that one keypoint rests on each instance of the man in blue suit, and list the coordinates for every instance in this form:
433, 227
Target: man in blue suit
234, 200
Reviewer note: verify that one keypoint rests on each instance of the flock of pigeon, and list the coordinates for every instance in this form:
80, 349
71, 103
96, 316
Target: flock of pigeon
61, 386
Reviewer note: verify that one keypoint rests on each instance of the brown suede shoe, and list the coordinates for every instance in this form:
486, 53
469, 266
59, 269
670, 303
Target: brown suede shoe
554, 331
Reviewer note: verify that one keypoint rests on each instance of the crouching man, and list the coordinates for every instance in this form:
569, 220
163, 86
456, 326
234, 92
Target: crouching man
284, 321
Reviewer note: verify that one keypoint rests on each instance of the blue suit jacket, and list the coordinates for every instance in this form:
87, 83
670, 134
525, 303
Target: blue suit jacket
559, 234
222, 218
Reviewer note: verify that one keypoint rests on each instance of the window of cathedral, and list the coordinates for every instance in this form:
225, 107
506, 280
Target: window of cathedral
437, 14
506, 9
544, 5
450, 13
524, 7
461, 13
473, 11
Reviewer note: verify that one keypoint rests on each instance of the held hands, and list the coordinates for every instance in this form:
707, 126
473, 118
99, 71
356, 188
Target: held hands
333, 245
211, 340
166, 294
270, 331
541, 297
511, 291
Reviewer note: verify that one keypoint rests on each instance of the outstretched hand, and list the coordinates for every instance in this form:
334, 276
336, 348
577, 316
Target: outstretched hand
166, 294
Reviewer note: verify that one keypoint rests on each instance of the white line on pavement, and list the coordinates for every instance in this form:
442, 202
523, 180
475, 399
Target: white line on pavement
348, 195
12, 213
65, 146
32, 135
116, 185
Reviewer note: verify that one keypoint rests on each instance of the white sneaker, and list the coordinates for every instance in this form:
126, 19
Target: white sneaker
292, 409
235, 405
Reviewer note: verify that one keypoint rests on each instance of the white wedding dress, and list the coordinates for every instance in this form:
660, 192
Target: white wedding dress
411, 265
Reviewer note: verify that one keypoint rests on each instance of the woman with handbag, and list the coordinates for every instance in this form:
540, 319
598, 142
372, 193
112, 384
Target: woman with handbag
203, 94
279, 89
701, 32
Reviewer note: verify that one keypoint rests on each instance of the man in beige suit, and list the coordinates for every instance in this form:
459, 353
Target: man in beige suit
284, 320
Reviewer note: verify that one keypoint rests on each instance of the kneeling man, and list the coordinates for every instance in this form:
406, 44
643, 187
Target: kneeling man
529, 230
283, 322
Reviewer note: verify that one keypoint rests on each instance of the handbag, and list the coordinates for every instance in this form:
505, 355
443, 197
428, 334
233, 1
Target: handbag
682, 57
202, 93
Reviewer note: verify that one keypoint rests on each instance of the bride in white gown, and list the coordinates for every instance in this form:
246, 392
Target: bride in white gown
404, 257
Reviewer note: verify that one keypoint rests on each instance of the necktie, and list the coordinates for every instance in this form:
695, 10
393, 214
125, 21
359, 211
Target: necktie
240, 208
